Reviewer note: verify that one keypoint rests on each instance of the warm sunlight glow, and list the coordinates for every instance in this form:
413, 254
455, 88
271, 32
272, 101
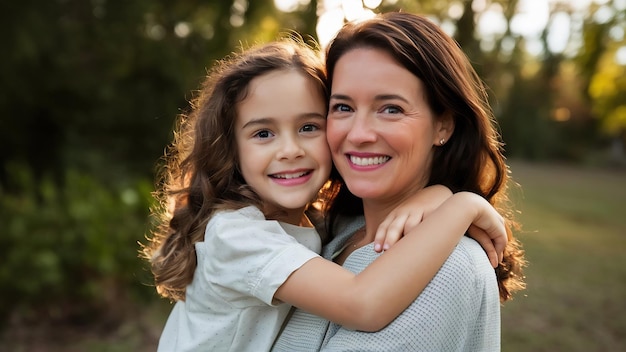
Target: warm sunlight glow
334, 13
328, 24
290, 5
182, 29
561, 114
529, 21
620, 56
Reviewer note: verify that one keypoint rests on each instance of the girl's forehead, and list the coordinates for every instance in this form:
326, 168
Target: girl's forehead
281, 94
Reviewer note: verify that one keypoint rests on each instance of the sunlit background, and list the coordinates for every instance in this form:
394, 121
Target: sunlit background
561, 20
91, 91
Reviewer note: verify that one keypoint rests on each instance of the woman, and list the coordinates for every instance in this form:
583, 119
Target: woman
407, 111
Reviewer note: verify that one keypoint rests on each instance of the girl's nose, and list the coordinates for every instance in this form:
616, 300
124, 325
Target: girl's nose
290, 148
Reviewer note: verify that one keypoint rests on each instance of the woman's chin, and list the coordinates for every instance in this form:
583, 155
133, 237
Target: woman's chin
365, 191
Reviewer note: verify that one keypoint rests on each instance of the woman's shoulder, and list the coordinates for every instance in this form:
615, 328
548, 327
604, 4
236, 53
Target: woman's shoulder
468, 264
470, 251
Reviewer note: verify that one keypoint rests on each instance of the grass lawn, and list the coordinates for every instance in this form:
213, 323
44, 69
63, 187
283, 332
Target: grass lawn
575, 240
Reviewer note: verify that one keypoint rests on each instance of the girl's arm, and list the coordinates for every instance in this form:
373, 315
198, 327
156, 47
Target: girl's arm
408, 215
412, 211
373, 298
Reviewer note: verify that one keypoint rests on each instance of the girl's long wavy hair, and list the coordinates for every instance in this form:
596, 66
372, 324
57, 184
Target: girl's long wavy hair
472, 160
200, 172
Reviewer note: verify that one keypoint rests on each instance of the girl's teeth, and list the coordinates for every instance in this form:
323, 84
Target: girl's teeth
368, 161
290, 176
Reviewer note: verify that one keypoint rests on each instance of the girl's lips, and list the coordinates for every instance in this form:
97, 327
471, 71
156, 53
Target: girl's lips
294, 178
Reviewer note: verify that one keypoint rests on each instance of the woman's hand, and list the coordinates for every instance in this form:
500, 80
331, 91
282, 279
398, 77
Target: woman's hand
408, 215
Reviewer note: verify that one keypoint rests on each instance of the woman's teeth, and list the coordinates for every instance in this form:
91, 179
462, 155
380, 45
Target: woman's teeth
368, 161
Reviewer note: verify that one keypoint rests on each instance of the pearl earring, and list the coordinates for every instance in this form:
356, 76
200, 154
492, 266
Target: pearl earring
442, 141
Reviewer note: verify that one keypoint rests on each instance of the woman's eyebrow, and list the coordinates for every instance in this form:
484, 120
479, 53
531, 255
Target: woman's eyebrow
377, 97
390, 97
339, 97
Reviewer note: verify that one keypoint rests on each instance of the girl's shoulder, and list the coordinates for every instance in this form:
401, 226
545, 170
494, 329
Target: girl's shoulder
223, 220
247, 213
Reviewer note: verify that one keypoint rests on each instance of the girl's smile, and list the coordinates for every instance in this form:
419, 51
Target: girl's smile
292, 178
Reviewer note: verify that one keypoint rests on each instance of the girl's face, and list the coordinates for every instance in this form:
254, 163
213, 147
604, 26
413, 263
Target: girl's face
281, 140
381, 130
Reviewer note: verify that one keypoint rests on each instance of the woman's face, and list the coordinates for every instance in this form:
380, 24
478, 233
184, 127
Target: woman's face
381, 131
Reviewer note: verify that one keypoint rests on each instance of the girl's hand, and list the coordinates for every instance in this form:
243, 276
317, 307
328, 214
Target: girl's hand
488, 229
408, 215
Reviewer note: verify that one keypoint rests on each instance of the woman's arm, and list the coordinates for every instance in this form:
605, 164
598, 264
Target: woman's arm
373, 298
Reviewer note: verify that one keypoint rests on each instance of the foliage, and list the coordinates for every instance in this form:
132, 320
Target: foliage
70, 251
607, 84
98, 84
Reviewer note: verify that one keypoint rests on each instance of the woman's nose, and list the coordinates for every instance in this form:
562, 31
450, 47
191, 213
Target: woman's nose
362, 130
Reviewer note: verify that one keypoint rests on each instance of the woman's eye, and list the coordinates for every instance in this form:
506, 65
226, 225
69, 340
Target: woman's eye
341, 108
263, 134
392, 110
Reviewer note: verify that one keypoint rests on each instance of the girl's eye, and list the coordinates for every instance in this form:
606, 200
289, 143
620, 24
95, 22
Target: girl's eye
392, 109
263, 134
309, 128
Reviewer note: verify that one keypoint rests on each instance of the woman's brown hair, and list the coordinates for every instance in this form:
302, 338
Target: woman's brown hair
472, 160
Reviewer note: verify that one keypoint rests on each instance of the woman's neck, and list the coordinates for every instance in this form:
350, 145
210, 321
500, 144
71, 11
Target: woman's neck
374, 213
377, 210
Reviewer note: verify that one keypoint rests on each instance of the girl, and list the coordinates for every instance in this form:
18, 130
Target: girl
235, 248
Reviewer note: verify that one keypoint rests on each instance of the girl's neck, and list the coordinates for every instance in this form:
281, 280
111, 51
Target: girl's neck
290, 216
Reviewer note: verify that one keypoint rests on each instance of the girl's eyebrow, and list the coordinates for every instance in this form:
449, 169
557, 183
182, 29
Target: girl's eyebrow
312, 115
269, 120
259, 121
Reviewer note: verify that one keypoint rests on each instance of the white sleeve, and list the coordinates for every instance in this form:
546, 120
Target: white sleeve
249, 255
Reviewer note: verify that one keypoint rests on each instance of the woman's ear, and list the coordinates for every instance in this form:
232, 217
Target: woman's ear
445, 128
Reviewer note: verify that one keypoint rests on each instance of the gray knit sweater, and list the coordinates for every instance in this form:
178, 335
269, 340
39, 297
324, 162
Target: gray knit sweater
458, 311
